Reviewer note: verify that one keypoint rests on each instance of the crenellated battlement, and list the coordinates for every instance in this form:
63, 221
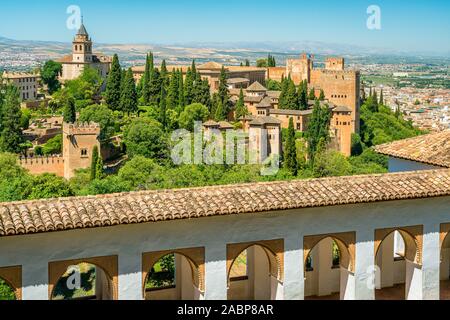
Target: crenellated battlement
42, 164
38, 160
81, 128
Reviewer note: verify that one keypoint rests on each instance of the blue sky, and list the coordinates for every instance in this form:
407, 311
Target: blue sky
406, 25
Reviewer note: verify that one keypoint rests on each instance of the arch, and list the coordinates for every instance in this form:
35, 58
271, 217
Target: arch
444, 265
274, 250
109, 265
13, 277
194, 256
412, 236
345, 241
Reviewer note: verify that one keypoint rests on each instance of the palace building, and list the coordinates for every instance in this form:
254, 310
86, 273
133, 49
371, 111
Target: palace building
341, 86
363, 237
82, 56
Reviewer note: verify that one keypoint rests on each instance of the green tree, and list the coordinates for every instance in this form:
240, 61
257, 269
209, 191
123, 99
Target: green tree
318, 128
49, 186
163, 107
138, 172
192, 113
224, 94
146, 79
155, 87
102, 115
181, 93
173, 93
303, 96
10, 126
113, 85
247, 63
147, 138
381, 98
312, 94
49, 74
322, 95
241, 109
219, 114
290, 100
330, 163
128, 97
94, 161
290, 150
262, 63
53, 146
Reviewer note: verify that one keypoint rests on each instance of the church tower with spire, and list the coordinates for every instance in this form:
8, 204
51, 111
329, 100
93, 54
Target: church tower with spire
83, 57
82, 46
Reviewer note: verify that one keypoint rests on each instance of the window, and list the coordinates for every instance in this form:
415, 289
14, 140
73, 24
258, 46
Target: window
84, 152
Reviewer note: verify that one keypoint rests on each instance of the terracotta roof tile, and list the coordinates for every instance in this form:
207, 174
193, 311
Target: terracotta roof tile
52, 215
431, 149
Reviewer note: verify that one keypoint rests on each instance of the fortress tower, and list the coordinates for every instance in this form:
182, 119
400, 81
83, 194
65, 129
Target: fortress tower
78, 143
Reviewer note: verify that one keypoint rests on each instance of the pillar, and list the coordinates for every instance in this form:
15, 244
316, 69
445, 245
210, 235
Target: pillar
35, 281
131, 283
431, 262
294, 275
262, 281
216, 272
365, 265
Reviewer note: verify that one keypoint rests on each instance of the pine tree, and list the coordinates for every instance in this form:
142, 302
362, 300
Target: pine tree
247, 63
112, 93
241, 109
318, 128
381, 98
284, 88
128, 99
10, 130
69, 112
290, 155
375, 100
165, 74
94, 163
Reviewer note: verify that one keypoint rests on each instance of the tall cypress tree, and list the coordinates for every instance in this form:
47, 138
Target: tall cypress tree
94, 161
146, 78
181, 101
219, 112
322, 95
189, 87
290, 98
128, 99
165, 77
224, 94
112, 93
163, 107
318, 128
290, 151
303, 96
284, 88
69, 112
241, 109
10, 129
172, 94
155, 87
312, 94
381, 98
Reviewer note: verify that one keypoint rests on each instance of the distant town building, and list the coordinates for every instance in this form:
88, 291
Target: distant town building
82, 56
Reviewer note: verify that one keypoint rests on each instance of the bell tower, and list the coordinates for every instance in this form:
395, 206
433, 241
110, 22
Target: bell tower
82, 46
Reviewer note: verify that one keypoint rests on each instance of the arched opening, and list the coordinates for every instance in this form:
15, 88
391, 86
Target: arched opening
255, 274
83, 281
173, 276
445, 269
398, 270
7, 292
328, 270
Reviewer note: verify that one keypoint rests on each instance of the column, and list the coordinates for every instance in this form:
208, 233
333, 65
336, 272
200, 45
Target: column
131, 284
365, 265
216, 272
431, 262
35, 280
294, 276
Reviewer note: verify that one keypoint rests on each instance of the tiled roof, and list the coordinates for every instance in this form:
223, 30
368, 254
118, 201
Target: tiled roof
256, 87
210, 66
31, 217
431, 149
262, 120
